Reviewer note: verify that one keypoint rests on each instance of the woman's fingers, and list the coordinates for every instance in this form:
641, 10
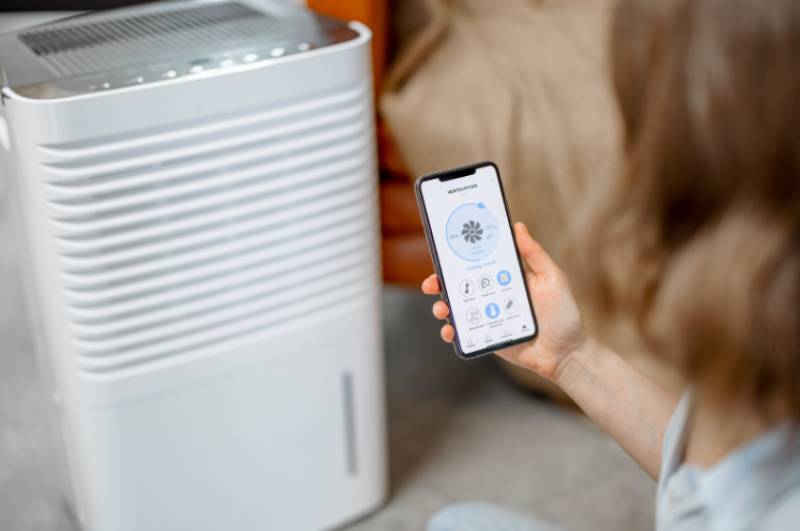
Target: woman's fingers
440, 310
430, 286
533, 253
448, 334
536, 257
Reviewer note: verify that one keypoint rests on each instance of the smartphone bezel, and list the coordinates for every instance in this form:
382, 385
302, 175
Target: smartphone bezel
453, 174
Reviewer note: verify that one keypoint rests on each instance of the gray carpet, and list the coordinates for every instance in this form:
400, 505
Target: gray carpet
458, 431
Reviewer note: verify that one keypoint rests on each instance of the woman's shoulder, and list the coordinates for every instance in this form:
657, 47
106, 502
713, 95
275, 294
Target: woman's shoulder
756, 486
779, 478
784, 513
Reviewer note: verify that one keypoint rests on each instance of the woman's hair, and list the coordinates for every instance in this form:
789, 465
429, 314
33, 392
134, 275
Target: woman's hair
698, 240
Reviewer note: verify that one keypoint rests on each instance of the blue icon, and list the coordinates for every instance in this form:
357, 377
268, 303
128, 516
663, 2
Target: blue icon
492, 310
504, 278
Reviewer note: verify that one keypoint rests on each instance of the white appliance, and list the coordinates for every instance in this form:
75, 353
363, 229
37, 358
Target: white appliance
195, 185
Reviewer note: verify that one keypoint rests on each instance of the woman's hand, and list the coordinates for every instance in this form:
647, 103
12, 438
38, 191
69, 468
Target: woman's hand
561, 330
612, 392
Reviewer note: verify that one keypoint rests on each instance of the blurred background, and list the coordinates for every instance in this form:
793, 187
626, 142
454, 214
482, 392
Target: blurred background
521, 82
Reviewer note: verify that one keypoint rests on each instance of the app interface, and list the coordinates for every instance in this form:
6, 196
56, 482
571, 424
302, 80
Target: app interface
475, 247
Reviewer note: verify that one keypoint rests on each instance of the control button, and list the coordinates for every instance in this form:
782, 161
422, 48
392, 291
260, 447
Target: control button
304, 46
169, 74
511, 306
488, 339
470, 344
506, 333
524, 328
466, 288
504, 278
492, 310
473, 316
485, 283
250, 57
277, 52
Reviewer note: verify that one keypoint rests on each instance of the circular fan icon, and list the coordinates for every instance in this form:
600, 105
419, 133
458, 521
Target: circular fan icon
472, 231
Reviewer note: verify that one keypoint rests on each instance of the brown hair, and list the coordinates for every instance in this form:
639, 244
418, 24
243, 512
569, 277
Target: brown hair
698, 240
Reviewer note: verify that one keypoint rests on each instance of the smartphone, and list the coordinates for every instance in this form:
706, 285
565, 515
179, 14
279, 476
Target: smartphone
468, 227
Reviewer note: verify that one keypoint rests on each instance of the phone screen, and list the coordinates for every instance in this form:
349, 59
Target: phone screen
471, 238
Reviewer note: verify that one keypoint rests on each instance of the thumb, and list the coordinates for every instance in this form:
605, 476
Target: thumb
533, 253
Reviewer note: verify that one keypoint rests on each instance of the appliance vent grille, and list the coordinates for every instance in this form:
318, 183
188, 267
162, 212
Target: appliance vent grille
66, 37
152, 35
182, 242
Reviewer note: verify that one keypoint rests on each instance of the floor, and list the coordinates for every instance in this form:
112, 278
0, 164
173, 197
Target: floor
458, 431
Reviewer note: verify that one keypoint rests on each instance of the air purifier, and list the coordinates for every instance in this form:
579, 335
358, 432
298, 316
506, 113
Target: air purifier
195, 185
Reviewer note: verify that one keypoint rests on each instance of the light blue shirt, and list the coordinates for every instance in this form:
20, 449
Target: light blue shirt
757, 487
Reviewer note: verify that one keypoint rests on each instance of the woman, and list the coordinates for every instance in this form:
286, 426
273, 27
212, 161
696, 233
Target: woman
698, 245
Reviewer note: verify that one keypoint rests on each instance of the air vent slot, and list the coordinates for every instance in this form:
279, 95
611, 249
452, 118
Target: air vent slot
75, 36
177, 243
166, 41
155, 35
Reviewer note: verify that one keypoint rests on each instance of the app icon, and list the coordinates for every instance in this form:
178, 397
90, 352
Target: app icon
472, 232
473, 316
511, 306
492, 310
504, 278
466, 288
485, 283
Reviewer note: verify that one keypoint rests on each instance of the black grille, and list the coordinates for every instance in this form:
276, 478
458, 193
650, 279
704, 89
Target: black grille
72, 37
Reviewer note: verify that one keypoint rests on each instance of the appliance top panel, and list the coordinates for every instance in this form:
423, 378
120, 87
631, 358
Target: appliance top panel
137, 45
